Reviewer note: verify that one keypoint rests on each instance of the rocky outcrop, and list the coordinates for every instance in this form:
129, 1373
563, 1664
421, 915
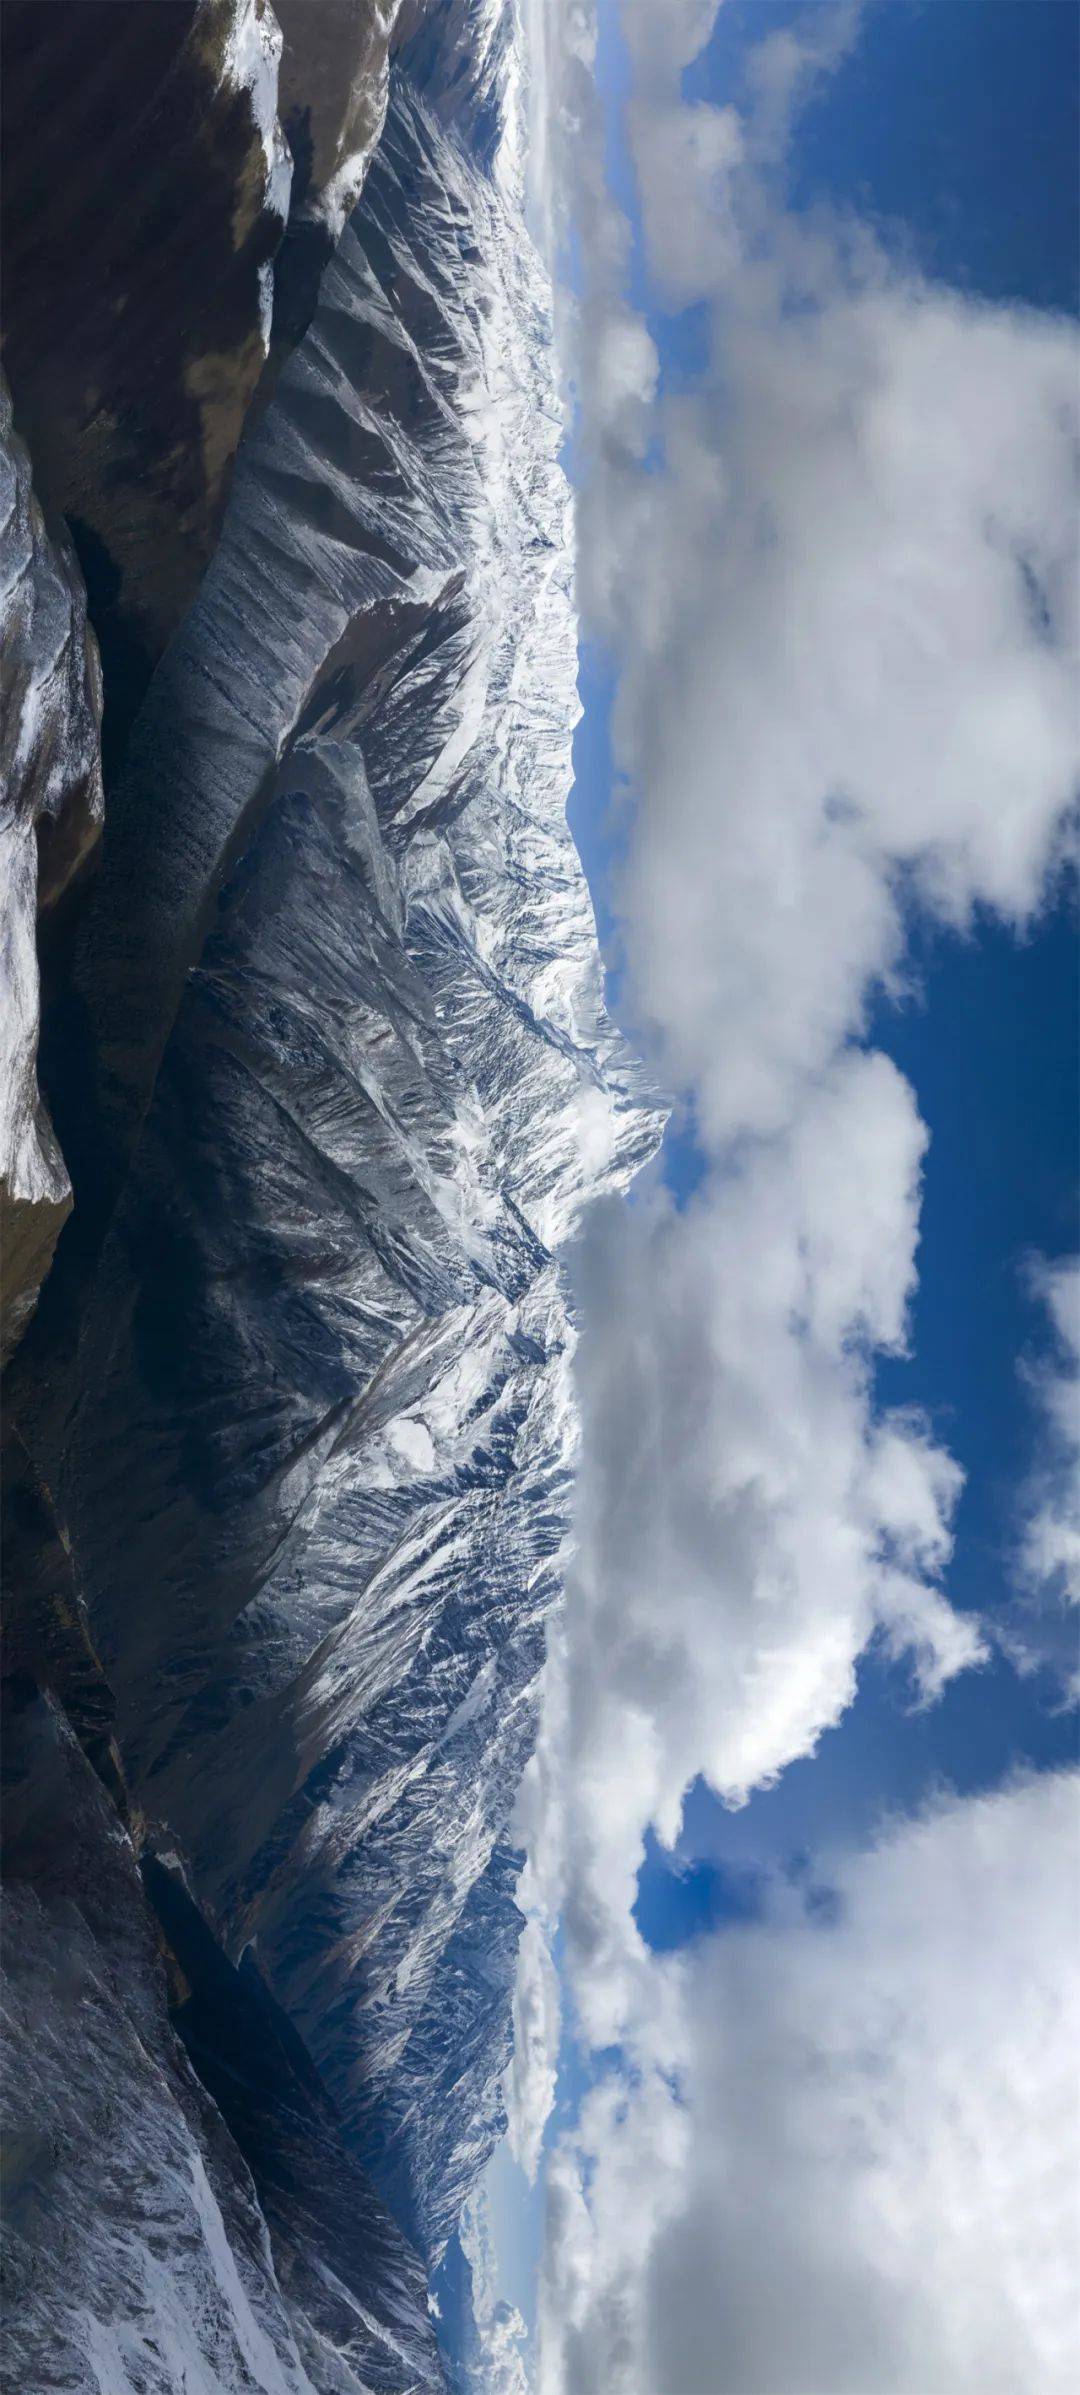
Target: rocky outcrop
47, 1638
145, 187
163, 2226
50, 818
431, 2124
152, 159
333, 89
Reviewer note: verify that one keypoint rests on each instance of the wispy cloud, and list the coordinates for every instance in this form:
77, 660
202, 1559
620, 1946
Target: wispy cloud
498, 2363
537, 2025
1044, 1631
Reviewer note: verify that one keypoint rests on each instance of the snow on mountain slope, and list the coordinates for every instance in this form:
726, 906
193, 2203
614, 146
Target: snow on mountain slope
136, 2258
50, 817
346, 1083
289, 1437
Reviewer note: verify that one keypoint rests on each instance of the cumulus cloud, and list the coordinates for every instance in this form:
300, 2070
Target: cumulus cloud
746, 1524
840, 598
837, 581
1051, 1549
856, 2167
851, 681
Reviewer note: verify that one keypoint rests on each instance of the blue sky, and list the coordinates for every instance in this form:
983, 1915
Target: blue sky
908, 131
951, 125
991, 1047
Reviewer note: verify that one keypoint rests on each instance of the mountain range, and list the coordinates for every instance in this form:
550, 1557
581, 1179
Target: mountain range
321, 1084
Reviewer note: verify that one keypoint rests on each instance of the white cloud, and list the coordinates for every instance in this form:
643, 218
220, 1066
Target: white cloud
865, 2175
1043, 1631
838, 582
784, 68
530, 2086
498, 2366
687, 158
610, 360
746, 1523
841, 601
848, 670
1051, 1552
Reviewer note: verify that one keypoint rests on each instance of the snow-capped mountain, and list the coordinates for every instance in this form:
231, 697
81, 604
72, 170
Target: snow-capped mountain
328, 1417
338, 1084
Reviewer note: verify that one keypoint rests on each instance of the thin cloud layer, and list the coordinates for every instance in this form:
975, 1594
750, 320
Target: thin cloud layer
537, 2021
860, 2171
1043, 1633
1051, 1548
498, 2363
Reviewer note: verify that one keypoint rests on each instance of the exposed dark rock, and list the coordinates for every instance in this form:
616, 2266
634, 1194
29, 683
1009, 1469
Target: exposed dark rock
50, 819
334, 85
462, 54
465, 2042
145, 186
47, 1636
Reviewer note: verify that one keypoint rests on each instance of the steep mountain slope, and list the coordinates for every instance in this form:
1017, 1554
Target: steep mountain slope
317, 1480
355, 2289
152, 158
135, 2251
50, 816
145, 187
333, 1079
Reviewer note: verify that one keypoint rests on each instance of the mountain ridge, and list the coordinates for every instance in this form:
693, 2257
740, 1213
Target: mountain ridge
337, 1085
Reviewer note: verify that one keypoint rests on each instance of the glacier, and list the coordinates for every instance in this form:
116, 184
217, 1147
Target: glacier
333, 1079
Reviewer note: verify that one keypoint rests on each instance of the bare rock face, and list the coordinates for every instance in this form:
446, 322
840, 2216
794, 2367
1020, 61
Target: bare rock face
333, 89
50, 818
145, 188
47, 1640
